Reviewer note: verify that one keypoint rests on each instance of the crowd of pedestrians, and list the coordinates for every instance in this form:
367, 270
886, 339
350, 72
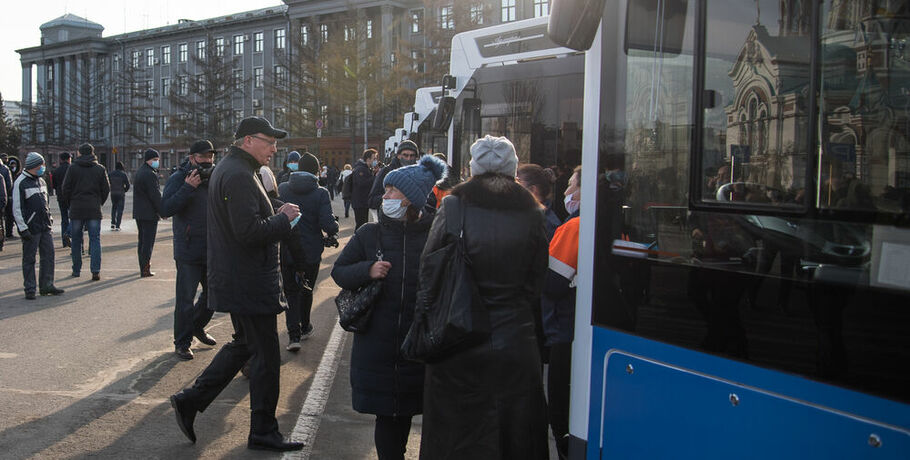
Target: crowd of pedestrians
253, 242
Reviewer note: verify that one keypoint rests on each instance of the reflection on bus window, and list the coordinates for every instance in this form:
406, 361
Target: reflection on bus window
757, 76
865, 94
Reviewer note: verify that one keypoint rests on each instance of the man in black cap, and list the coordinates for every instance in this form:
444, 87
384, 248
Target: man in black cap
85, 189
120, 184
243, 276
407, 155
59, 176
185, 197
147, 209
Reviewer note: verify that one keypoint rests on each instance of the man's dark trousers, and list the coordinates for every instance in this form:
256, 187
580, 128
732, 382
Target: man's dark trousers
147, 231
8, 215
300, 301
64, 219
190, 318
117, 209
256, 340
43, 242
361, 216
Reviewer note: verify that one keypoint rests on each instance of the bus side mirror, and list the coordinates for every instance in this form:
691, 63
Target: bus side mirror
444, 112
573, 23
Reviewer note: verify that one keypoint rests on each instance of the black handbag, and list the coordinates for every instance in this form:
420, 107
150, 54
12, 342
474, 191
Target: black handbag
449, 315
355, 306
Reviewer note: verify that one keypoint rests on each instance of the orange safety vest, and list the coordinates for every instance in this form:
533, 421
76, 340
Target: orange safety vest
564, 249
440, 194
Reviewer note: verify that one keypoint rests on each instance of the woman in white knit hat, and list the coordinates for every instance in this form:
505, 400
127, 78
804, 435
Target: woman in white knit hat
487, 401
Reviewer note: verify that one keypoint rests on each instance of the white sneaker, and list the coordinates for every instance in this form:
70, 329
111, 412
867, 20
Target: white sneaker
293, 346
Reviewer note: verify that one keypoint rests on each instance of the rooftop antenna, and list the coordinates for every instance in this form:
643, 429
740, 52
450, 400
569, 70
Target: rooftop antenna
758, 13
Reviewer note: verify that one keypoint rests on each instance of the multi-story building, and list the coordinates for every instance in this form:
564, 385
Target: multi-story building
338, 74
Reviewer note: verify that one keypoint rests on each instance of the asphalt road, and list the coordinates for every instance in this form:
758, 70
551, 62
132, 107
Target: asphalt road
89, 373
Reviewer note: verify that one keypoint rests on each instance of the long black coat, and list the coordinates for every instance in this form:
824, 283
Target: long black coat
383, 382
189, 206
243, 235
86, 188
361, 184
487, 402
146, 194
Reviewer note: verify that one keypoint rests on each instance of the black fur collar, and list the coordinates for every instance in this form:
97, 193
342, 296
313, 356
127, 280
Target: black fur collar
495, 191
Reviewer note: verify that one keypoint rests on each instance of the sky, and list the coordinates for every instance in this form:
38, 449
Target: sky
20, 20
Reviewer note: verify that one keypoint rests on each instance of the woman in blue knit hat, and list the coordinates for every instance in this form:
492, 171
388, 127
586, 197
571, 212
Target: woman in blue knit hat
383, 383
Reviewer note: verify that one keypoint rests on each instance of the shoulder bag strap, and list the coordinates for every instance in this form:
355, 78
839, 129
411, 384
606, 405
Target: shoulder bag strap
454, 216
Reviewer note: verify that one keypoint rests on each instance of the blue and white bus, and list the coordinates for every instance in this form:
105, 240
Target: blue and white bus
744, 260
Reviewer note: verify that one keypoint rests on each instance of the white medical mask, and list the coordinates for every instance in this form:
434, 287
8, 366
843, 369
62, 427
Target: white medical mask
154, 164
571, 205
393, 208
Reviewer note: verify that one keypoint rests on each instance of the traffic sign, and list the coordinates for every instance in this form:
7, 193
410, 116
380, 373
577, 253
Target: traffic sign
319, 132
319, 124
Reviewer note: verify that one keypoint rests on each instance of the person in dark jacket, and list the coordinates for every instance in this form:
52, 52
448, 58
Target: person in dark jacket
382, 381
346, 189
6, 212
243, 232
361, 184
3, 200
316, 217
405, 156
59, 177
558, 314
85, 189
147, 209
120, 184
291, 165
34, 222
185, 198
505, 241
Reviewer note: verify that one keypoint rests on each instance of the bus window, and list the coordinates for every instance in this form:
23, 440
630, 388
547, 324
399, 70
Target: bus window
754, 134
864, 100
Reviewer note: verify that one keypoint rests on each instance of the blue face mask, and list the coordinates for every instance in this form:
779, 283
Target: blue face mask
41, 171
293, 166
294, 222
154, 164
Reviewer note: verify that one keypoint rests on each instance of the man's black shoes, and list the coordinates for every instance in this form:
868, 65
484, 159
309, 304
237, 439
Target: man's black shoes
185, 416
205, 338
53, 290
273, 441
29, 296
184, 353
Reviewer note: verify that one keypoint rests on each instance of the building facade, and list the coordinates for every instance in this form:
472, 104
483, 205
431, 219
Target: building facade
338, 74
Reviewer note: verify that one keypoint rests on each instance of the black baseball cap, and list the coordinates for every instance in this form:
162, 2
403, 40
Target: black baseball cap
258, 125
202, 146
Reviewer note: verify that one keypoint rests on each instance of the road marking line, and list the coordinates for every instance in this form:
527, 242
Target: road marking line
314, 405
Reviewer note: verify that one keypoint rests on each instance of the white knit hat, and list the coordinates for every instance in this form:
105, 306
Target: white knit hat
493, 154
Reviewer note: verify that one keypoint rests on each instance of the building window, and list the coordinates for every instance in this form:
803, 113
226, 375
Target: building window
324, 32
446, 18
348, 32
165, 126
200, 50
392, 58
238, 115
347, 116
369, 28
166, 54
165, 86
150, 57
281, 76
135, 58
181, 52
219, 46
200, 84
149, 125
238, 79
416, 21
508, 10
238, 45
181, 85
477, 13
257, 42
257, 77
115, 63
149, 89
278, 118
279, 39
304, 35
325, 72
541, 8
417, 61
258, 112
